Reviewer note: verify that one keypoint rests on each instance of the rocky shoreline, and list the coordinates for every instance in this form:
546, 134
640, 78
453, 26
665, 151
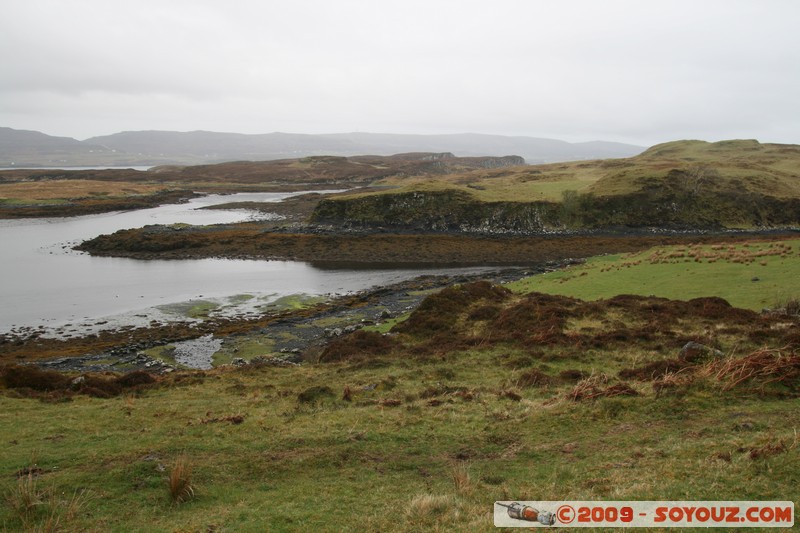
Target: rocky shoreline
298, 335
320, 245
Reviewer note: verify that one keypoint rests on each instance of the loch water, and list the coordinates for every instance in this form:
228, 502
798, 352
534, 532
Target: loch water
45, 284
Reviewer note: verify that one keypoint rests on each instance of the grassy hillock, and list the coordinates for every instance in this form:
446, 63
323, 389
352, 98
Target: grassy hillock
480, 394
678, 185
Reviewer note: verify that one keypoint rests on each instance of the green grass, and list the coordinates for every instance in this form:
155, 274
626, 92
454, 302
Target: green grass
164, 353
335, 464
386, 325
769, 276
293, 302
201, 309
515, 187
529, 190
244, 347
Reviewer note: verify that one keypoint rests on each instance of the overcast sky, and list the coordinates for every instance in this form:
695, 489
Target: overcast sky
633, 71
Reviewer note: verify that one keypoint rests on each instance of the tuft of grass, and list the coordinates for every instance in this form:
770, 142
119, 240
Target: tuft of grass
424, 507
42, 509
181, 485
462, 481
25, 498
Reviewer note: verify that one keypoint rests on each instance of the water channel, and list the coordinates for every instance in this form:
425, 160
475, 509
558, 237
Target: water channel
46, 285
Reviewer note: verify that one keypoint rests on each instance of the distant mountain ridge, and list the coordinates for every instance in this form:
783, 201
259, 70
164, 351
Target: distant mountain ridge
22, 148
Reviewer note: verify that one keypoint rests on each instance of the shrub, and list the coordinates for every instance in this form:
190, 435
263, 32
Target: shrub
439, 312
315, 394
356, 344
36, 379
572, 374
135, 379
31, 377
534, 378
485, 312
539, 320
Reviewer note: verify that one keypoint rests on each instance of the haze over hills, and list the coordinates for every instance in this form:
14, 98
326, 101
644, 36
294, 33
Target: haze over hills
23, 148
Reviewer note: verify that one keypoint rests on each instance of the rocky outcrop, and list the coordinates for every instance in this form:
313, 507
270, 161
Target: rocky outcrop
438, 211
452, 210
505, 161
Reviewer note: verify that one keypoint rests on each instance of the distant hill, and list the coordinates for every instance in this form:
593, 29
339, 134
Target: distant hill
22, 147
27, 148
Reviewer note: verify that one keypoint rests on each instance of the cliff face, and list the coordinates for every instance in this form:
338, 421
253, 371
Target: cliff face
457, 211
438, 211
506, 161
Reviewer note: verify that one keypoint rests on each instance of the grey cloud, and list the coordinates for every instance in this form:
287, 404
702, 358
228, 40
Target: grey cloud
626, 70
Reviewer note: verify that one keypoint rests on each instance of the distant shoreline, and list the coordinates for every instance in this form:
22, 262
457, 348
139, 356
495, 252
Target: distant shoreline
142, 168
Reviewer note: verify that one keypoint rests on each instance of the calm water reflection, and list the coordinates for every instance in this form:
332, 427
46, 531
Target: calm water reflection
44, 283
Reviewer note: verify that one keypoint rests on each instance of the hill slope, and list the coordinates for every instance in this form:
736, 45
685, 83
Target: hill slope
679, 185
23, 147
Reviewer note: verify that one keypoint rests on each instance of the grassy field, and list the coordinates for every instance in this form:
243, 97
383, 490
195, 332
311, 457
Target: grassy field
753, 275
429, 448
482, 394
32, 192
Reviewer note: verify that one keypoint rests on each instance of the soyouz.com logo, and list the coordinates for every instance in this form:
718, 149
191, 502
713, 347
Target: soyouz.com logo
725, 514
